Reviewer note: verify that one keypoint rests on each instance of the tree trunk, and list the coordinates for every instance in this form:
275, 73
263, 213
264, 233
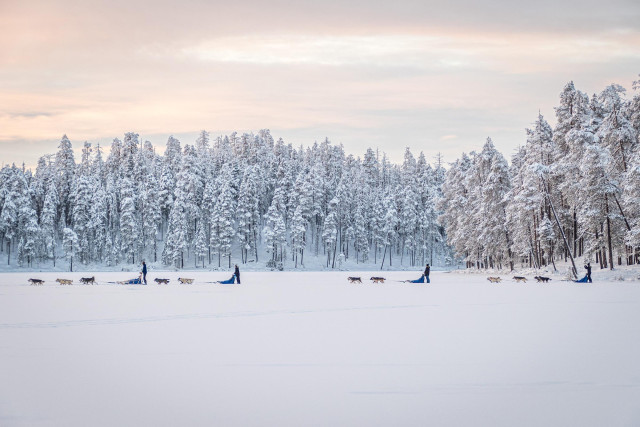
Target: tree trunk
564, 237
622, 213
575, 230
606, 202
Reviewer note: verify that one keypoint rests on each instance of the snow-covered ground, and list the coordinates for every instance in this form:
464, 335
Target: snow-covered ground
310, 349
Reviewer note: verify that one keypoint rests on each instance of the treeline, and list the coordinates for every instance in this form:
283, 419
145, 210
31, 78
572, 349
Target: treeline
235, 199
570, 191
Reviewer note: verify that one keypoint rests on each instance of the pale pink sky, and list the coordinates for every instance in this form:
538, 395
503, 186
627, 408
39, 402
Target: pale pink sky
435, 77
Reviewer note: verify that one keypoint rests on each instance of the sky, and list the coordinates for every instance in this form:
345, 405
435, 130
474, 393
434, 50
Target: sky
438, 77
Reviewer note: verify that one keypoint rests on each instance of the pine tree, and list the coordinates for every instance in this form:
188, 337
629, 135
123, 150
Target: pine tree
48, 225
298, 235
129, 225
69, 245
65, 170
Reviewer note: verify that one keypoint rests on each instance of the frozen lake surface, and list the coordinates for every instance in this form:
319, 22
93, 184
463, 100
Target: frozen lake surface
310, 349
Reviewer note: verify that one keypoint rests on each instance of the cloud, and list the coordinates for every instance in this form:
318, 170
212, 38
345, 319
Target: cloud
359, 72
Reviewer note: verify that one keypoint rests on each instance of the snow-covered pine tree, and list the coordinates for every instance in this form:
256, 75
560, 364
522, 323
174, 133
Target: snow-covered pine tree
389, 230
13, 189
248, 214
298, 235
330, 232
454, 205
69, 245
65, 170
48, 224
129, 224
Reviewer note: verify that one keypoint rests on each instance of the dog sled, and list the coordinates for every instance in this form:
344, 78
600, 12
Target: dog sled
419, 280
136, 281
583, 280
230, 281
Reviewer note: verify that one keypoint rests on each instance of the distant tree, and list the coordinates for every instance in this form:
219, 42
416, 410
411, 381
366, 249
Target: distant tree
69, 245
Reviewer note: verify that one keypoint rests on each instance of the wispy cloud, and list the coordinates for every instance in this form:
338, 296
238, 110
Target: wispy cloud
441, 75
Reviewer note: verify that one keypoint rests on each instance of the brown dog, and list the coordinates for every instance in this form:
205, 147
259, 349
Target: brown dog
64, 281
494, 279
520, 279
185, 281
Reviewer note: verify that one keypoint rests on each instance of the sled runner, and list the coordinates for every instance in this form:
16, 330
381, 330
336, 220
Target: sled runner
230, 281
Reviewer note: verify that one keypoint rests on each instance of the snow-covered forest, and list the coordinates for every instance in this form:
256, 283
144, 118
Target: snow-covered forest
570, 191
234, 199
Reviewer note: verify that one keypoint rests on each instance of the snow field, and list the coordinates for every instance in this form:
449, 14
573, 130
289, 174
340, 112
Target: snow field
294, 349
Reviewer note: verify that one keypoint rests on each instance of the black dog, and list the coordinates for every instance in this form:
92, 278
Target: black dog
36, 281
88, 280
354, 280
377, 279
542, 279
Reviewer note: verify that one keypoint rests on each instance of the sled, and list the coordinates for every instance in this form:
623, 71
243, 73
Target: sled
230, 281
420, 280
136, 281
583, 280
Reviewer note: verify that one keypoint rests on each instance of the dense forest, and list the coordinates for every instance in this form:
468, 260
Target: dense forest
236, 199
570, 191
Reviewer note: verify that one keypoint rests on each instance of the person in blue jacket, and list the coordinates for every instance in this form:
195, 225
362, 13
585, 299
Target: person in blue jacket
237, 274
588, 268
427, 270
144, 272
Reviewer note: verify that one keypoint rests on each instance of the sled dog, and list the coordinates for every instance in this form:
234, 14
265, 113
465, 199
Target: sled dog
542, 279
161, 281
494, 279
36, 281
377, 279
519, 278
88, 280
185, 281
64, 281
354, 280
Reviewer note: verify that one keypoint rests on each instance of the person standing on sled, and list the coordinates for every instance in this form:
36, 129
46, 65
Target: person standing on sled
237, 274
427, 270
144, 272
588, 268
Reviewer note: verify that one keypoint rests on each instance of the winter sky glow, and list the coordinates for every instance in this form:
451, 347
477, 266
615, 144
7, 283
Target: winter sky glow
421, 74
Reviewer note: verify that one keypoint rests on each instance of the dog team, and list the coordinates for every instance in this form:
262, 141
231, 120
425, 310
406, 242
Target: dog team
139, 280
539, 279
